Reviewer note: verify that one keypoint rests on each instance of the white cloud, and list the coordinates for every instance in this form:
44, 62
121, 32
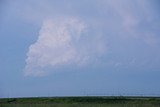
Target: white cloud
70, 41
61, 42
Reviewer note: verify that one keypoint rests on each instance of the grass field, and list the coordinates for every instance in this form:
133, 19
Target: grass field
81, 102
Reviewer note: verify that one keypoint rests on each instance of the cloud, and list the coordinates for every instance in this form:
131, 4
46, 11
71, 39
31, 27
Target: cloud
81, 40
62, 42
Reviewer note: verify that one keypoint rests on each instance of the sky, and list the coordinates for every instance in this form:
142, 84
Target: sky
79, 47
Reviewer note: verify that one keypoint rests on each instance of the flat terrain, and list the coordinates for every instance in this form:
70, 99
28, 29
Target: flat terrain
81, 102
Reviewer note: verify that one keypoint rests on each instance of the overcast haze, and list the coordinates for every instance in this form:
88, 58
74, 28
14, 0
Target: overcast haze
86, 47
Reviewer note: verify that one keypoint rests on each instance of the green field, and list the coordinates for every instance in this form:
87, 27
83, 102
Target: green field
81, 102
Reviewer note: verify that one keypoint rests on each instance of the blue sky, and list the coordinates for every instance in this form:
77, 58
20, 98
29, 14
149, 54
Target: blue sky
72, 47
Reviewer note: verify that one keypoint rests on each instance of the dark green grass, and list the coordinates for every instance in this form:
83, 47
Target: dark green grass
81, 102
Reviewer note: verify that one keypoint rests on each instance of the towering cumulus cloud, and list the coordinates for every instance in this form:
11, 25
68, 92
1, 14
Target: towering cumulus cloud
79, 35
62, 42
